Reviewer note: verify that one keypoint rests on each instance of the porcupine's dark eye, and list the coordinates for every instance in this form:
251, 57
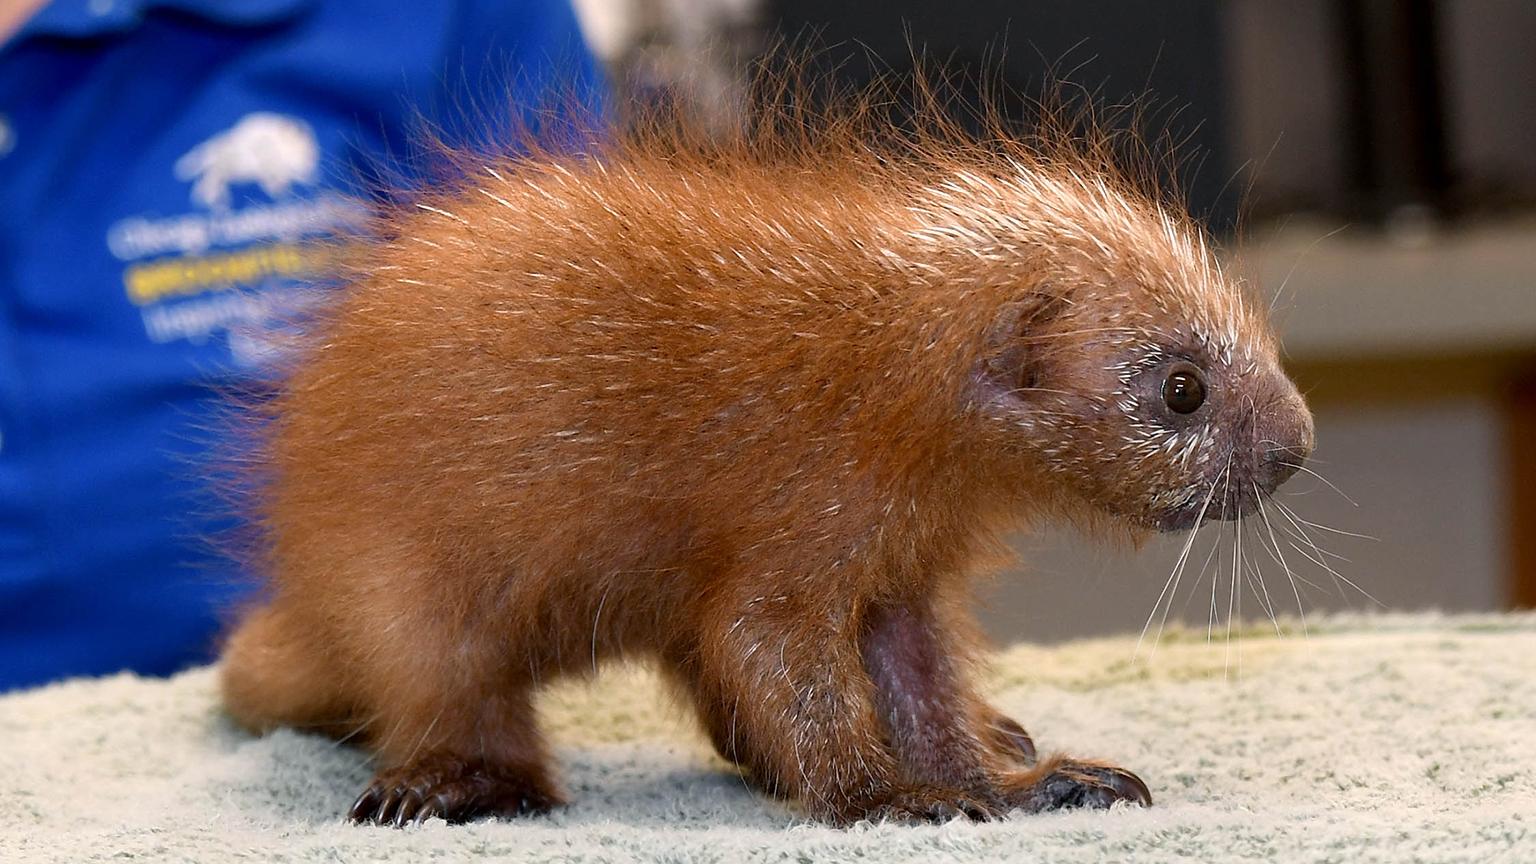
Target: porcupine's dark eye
1183, 390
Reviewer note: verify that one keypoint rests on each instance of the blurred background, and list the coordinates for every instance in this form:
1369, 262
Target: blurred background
1371, 164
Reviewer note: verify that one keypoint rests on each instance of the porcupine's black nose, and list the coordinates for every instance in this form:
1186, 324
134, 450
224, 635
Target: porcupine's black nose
1285, 441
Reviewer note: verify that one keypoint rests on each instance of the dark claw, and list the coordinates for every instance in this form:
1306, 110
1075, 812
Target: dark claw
410, 802
1129, 786
388, 806
403, 803
1011, 737
366, 806
437, 805
453, 789
976, 810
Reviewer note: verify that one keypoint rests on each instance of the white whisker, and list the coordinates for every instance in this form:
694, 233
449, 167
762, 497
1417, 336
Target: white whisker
1232, 598
1173, 577
1325, 480
1251, 574
1338, 531
1226, 473
1284, 511
1300, 610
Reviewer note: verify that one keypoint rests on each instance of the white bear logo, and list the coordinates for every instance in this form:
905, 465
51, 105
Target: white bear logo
273, 151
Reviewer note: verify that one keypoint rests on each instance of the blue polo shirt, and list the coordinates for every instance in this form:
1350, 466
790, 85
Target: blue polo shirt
161, 162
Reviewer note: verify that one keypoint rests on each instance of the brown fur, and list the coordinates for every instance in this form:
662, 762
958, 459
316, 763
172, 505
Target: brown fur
754, 410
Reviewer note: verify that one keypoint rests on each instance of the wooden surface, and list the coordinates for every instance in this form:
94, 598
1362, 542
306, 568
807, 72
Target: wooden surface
1362, 293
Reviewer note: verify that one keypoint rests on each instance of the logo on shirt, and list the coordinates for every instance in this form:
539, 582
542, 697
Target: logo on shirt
236, 265
273, 151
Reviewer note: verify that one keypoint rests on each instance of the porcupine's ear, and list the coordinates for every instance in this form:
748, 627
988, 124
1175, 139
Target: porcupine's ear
1016, 345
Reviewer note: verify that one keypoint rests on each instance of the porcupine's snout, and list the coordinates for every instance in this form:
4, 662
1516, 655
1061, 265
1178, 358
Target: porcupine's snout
1285, 439
1279, 440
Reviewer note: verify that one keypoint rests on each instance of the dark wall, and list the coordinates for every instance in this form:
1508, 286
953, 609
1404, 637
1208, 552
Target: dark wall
1372, 111
1162, 56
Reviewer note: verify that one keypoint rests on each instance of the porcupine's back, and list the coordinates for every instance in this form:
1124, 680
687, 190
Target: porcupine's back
564, 355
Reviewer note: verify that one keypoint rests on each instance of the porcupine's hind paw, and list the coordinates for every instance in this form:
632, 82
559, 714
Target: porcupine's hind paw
454, 789
1059, 783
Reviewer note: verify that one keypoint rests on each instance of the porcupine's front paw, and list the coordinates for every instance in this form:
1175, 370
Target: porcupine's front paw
1059, 783
455, 789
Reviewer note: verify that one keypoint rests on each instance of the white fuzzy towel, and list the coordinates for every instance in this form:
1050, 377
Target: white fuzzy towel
1402, 738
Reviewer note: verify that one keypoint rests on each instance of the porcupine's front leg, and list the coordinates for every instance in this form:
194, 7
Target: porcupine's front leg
782, 681
943, 733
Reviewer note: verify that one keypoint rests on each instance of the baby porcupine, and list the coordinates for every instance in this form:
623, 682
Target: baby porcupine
753, 410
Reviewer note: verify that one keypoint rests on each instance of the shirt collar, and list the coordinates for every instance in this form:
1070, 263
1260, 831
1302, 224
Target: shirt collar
86, 18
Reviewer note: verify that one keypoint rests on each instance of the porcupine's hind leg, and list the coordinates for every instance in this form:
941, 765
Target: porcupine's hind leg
458, 756
459, 763
452, 728
273, 674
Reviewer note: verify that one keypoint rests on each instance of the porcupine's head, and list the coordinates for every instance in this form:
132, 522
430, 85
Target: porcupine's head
1123, 361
